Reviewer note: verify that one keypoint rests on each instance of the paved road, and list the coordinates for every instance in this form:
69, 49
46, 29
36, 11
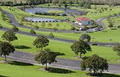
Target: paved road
100, 23
61, 63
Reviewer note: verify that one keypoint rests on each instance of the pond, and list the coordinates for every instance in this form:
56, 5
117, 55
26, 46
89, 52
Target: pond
38, 19
45, 10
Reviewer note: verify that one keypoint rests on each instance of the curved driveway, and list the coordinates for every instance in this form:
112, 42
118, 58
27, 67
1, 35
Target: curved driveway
62, 63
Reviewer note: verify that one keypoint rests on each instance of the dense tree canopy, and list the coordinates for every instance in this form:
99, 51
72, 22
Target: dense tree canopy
85, 3
40, 42
32, 31
117, 49
80, 47
46, 56
6, 49
95, 63
15, 29
9, 36
85, 37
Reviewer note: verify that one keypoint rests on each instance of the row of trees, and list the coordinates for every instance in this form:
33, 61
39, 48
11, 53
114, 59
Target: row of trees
73, 1
47, 56
80, 2
94, 63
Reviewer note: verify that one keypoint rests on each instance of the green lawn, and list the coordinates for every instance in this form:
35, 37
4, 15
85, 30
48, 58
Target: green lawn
20, 14
63, 47
8, 70
104, 36
23, 70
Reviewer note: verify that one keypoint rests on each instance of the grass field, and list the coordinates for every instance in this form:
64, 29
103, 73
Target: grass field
23, 70
96, 37
63, 47
8, 70
20, 14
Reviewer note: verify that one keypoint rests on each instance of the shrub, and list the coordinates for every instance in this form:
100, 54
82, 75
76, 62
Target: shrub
55, 29
51, 35
15, 29
32, 31
36, 27
73, 28
113, 28
119, 26
1, 26
64, 14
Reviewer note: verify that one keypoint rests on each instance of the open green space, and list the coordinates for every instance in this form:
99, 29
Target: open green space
19, 15
14, 70
103, 36
25, 42
63, 47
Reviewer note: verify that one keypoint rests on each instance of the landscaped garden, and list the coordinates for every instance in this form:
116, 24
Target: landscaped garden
59, 32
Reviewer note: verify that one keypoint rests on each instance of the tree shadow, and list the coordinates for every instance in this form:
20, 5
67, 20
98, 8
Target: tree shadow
103, 75
59, 70
109, 75
59, 54
20, 63
22, 47
3, 76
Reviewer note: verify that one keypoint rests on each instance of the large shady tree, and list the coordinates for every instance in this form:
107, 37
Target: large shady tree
6, 49
80, 47
117, 49
40, 42
85, 37
9, 36
45, 57
95, 64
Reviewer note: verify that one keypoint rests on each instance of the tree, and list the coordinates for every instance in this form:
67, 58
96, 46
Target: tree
49, 25
41, 42
65, 5
1, 26
15, 29
9, 36
85, 37
43, 24
57, 25
95, 64
46, 56
80, 47
117, 49
73, 28
6, 49
110, 25
32, 31
51, 35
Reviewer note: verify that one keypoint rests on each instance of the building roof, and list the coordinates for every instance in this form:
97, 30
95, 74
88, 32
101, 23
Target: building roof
83, 19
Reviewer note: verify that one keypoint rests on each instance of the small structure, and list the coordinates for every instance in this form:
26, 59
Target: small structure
83, 22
